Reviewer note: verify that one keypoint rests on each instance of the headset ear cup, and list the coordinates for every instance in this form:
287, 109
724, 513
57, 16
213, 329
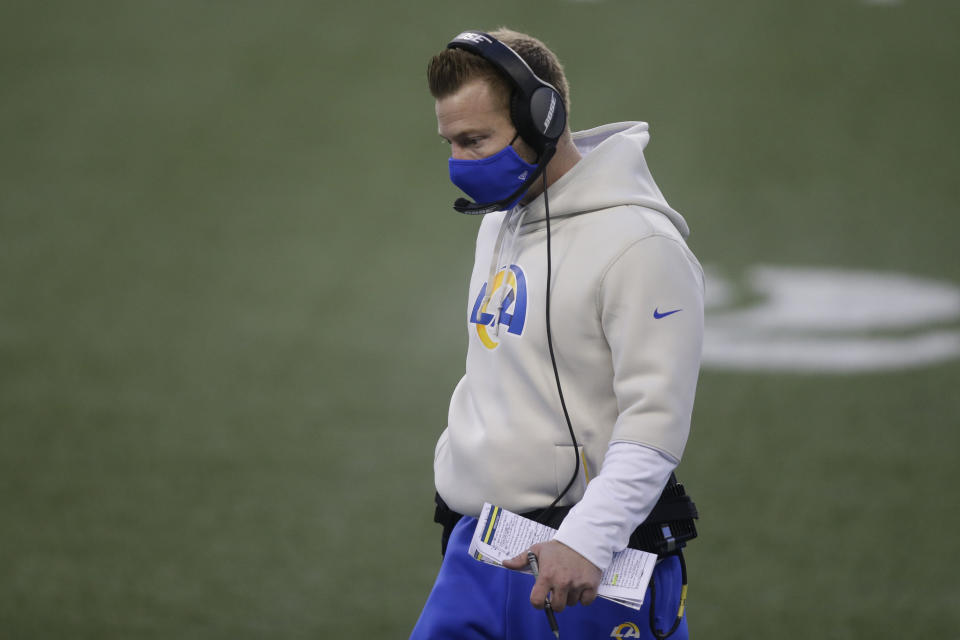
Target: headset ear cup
548, 113
544, 108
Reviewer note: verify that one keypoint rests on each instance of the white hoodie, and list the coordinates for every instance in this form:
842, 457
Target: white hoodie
627, 323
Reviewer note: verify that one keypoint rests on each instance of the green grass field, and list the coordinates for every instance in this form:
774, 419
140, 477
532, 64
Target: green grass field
231, 295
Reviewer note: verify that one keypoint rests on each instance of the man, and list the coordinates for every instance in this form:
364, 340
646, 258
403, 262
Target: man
626, 304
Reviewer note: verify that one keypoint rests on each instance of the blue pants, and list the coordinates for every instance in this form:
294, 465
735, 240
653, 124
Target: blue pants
472, 601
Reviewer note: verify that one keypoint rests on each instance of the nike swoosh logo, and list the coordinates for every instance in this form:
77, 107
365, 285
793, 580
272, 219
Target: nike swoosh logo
657, 315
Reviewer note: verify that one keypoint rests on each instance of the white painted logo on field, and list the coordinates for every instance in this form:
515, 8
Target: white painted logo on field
828, 320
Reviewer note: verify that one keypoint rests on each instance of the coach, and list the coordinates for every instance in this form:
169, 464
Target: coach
585, 323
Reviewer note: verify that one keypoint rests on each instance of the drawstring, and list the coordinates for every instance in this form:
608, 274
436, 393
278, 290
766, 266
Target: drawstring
515, 218
495, 259
494, 262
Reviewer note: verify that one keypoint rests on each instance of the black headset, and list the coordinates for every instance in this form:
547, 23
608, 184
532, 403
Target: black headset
536, 108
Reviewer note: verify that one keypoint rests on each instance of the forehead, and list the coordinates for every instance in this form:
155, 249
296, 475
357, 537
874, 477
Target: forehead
475, 105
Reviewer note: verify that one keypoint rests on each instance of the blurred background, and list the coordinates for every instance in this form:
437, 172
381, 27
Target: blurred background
232, 293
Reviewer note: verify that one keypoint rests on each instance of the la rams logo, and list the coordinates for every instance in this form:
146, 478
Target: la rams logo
513, 311
625, 630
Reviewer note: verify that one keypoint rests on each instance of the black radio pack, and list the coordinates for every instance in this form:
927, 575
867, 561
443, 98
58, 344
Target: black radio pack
665, 532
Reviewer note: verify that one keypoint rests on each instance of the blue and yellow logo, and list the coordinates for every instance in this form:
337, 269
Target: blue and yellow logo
625, 630
513, 311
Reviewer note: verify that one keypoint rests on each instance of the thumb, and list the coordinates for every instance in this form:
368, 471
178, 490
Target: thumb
517, 562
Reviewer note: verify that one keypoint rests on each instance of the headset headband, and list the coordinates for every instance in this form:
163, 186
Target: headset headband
536, 107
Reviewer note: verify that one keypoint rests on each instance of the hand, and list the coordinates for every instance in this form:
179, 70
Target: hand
571, 577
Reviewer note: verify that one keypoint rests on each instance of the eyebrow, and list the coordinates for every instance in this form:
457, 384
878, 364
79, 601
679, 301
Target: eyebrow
468, 133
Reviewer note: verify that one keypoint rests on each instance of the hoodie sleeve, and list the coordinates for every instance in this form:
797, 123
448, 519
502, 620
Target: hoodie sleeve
616, 502
651, 308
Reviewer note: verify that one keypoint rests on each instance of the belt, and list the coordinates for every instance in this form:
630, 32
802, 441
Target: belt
666, 530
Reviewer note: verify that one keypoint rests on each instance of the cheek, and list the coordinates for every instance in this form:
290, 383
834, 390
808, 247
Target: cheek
525, 151
475, 152
486, 150
464, 153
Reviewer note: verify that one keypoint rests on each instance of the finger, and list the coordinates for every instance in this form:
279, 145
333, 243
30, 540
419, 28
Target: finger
559, 599
517, 562
573, 597
588, 596
538, 595
520, 561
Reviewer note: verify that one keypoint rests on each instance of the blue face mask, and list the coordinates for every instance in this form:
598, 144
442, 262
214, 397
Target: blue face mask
492, 179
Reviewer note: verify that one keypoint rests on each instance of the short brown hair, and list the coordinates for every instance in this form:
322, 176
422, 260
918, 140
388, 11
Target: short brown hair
452, 68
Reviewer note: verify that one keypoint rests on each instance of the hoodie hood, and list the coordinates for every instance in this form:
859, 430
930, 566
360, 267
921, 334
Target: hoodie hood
611, 172
613, 165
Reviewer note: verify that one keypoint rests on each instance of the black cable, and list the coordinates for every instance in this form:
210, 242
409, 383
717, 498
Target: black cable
553, 359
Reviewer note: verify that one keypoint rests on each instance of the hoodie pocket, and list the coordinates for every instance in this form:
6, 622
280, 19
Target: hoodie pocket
563, 463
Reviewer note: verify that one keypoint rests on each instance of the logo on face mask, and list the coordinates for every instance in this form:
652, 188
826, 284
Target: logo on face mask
507, 304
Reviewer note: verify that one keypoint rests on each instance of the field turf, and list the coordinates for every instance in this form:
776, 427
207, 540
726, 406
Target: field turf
232, 289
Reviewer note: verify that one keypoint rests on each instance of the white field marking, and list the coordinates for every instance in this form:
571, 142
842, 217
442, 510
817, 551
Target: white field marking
717, 292
824, 299
813, 319
827, 355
